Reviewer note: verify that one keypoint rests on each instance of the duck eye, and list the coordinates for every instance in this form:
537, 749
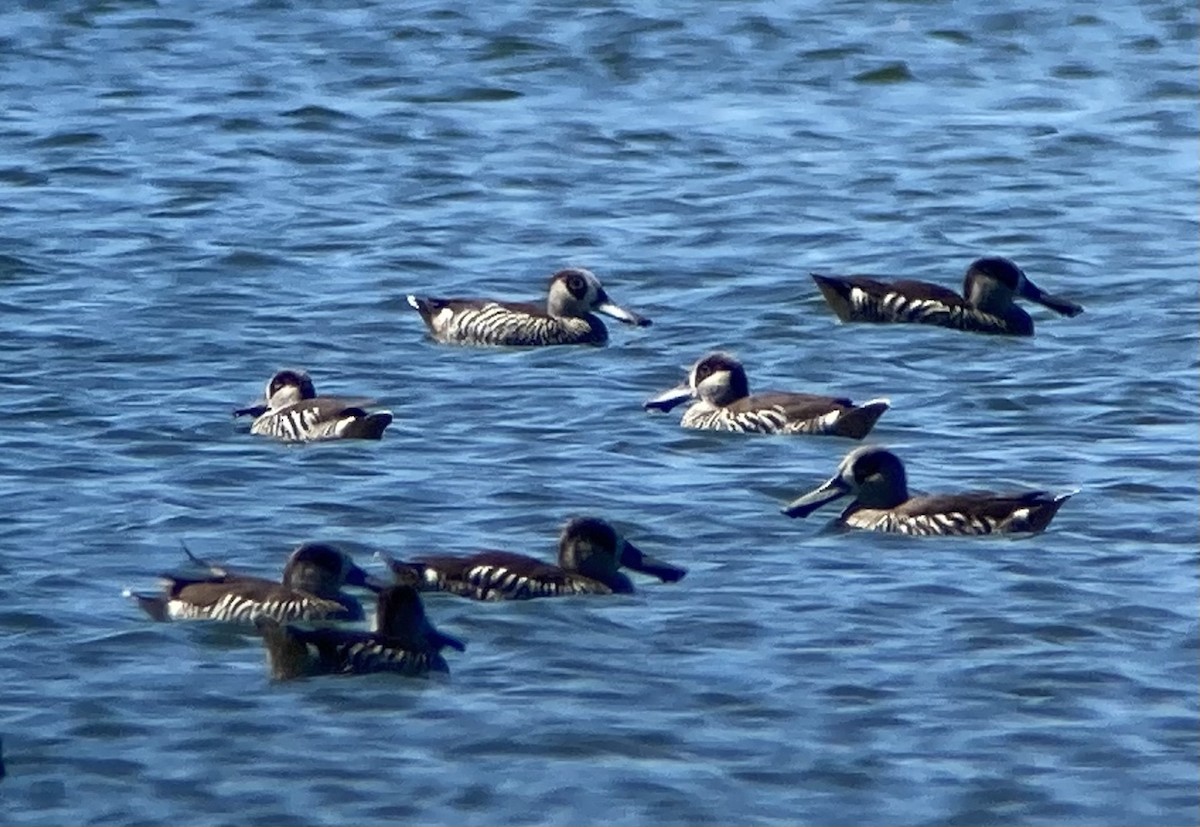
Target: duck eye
576, 284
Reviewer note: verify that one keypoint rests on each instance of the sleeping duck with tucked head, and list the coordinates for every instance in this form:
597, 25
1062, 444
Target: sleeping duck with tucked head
292, 411
568, 317
721, 401
590, 554
987, 304
874, 478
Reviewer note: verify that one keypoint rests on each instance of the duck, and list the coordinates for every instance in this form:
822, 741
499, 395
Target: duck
718, 384
568, 317
590, 553
875, 478
310, 589
986, 306
404, 642
293, 412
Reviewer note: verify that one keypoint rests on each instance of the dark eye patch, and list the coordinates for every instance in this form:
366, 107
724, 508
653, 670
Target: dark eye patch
713, 364
594, 532
292, 378
866, 467
601, 536
1000, 269
576, 285
283, 379
323, 556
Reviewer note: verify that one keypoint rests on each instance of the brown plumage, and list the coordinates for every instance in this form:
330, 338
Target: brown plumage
573, 297
986, 306
404, 642
292, 411
589, 555
876, 480
721, 401
310, 590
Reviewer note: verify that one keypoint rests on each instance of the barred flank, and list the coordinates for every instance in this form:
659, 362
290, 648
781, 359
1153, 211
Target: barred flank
762, 421
952, 523
489, 582
896, 307
494, 324
296, 425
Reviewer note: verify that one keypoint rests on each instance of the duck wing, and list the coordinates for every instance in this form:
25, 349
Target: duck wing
496, 575
1027, 511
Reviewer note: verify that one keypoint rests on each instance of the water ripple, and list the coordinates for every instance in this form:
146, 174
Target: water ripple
197, 199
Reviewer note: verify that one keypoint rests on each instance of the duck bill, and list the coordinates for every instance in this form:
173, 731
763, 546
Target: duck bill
667, 400
358, 577
253, 410
1061, 306
632, 557
827, 492
621, 314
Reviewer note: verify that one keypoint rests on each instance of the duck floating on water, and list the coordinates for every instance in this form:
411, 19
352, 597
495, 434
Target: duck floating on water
590, 552
404, 641
311, 589
718, 384
986, 306
292, 411
568, 317
875, 478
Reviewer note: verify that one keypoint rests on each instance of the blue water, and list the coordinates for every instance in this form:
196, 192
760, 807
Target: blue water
195, 194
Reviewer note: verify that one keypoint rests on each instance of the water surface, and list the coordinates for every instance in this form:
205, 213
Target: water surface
193, 195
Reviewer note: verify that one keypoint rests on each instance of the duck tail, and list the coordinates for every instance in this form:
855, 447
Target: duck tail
367, 425
405, 574
1036, 510
426, 307
154, 605
857, 422
1046, 507
837, 293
